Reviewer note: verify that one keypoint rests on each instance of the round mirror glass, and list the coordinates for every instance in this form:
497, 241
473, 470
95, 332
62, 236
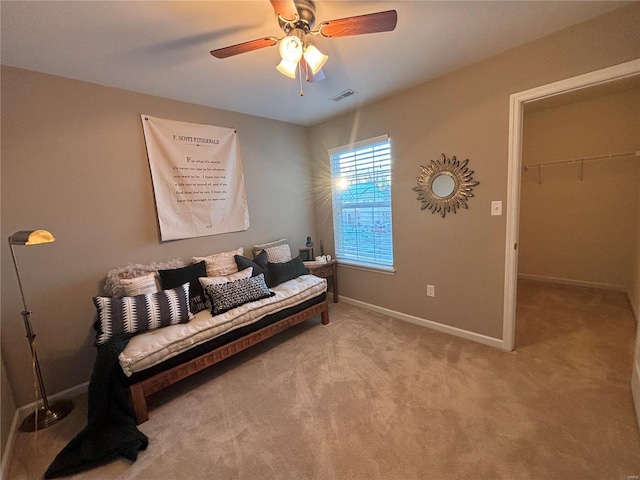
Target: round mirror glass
442, 185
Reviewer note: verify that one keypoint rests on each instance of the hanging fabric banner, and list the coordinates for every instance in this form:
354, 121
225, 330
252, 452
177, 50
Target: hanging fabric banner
197, 178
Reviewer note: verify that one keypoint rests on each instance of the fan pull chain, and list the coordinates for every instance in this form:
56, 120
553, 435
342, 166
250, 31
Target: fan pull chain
300, 77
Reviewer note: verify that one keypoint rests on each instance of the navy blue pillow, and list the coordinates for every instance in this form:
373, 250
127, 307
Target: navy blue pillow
178, 276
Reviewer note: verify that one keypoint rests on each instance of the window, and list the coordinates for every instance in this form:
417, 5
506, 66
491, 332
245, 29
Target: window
361, 193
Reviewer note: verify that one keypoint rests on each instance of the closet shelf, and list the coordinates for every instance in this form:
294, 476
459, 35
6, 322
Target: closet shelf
581, 161
585, 159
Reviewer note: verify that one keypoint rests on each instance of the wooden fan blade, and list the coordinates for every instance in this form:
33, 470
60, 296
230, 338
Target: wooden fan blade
244, 47
370, 23
285, 9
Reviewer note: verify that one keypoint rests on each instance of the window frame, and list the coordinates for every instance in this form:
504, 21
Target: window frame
338, 206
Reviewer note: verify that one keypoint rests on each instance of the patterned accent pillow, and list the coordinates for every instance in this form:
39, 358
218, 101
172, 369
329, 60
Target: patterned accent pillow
142, 312
220, 263
277, 251
140, 285
279, 254
204, 281
227, 296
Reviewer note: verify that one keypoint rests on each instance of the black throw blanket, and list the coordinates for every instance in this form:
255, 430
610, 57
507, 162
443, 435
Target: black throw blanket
111, 429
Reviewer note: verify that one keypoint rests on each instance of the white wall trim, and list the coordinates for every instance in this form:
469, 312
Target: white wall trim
458, 332
22, 412
569, 281
516, 109
25, 410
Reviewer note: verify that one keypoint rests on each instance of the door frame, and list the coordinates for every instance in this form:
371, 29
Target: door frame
516, 118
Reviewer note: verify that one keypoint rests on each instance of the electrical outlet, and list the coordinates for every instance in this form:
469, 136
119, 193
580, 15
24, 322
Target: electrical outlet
431, 291
496, 207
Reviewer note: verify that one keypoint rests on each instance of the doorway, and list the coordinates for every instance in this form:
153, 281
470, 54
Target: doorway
516, 117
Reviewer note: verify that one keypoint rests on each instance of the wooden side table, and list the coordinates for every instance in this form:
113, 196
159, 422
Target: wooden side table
328, 270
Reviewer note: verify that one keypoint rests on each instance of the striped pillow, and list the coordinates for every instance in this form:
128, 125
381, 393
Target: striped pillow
142, 312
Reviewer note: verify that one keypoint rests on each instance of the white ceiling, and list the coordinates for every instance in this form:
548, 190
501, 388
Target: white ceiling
162, 47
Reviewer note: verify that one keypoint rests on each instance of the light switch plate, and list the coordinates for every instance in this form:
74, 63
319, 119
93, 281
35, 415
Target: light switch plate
496, 207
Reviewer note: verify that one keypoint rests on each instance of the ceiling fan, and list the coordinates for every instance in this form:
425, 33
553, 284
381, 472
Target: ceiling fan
297, 19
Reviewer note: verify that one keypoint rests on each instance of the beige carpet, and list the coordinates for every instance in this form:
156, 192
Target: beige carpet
370, 397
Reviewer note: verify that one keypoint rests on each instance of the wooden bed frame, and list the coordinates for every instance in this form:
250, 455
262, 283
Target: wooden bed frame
141, 390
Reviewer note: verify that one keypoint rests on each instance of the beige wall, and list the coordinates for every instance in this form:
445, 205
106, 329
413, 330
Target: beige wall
74, 162
465, 113
582, 231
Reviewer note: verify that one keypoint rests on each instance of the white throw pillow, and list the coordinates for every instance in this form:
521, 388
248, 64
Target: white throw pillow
277, 251
140, 285
246, 273
220, 263
279, 254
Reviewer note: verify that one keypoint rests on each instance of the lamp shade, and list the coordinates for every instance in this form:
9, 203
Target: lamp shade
314, 58
31, 237
287, 68
291, 49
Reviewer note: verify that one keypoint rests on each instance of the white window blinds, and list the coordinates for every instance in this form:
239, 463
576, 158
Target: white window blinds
361, 193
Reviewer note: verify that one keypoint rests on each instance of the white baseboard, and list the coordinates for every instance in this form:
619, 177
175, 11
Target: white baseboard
25, 410
458, 332
22, 412
567, 281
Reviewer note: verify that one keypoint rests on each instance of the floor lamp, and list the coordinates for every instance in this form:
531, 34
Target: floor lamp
49, 413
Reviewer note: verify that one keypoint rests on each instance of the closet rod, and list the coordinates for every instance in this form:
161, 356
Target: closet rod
585, 159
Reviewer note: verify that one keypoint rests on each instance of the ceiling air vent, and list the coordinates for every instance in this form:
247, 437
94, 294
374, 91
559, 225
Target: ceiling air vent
341, 95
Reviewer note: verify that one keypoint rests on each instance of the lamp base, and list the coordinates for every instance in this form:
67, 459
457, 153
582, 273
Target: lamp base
45, 418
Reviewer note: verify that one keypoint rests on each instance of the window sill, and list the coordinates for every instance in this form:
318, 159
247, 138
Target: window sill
367, 267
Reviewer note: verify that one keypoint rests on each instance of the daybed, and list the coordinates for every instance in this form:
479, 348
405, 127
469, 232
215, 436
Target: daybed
242, 302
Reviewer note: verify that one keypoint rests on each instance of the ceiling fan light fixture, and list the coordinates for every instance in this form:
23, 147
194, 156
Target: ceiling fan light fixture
315, 58
297, 19
287, 68
291, 49
315, 77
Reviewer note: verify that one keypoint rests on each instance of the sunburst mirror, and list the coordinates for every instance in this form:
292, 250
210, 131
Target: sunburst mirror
445, 185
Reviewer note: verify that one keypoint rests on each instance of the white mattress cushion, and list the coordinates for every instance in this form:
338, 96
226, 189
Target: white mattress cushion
150, 348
